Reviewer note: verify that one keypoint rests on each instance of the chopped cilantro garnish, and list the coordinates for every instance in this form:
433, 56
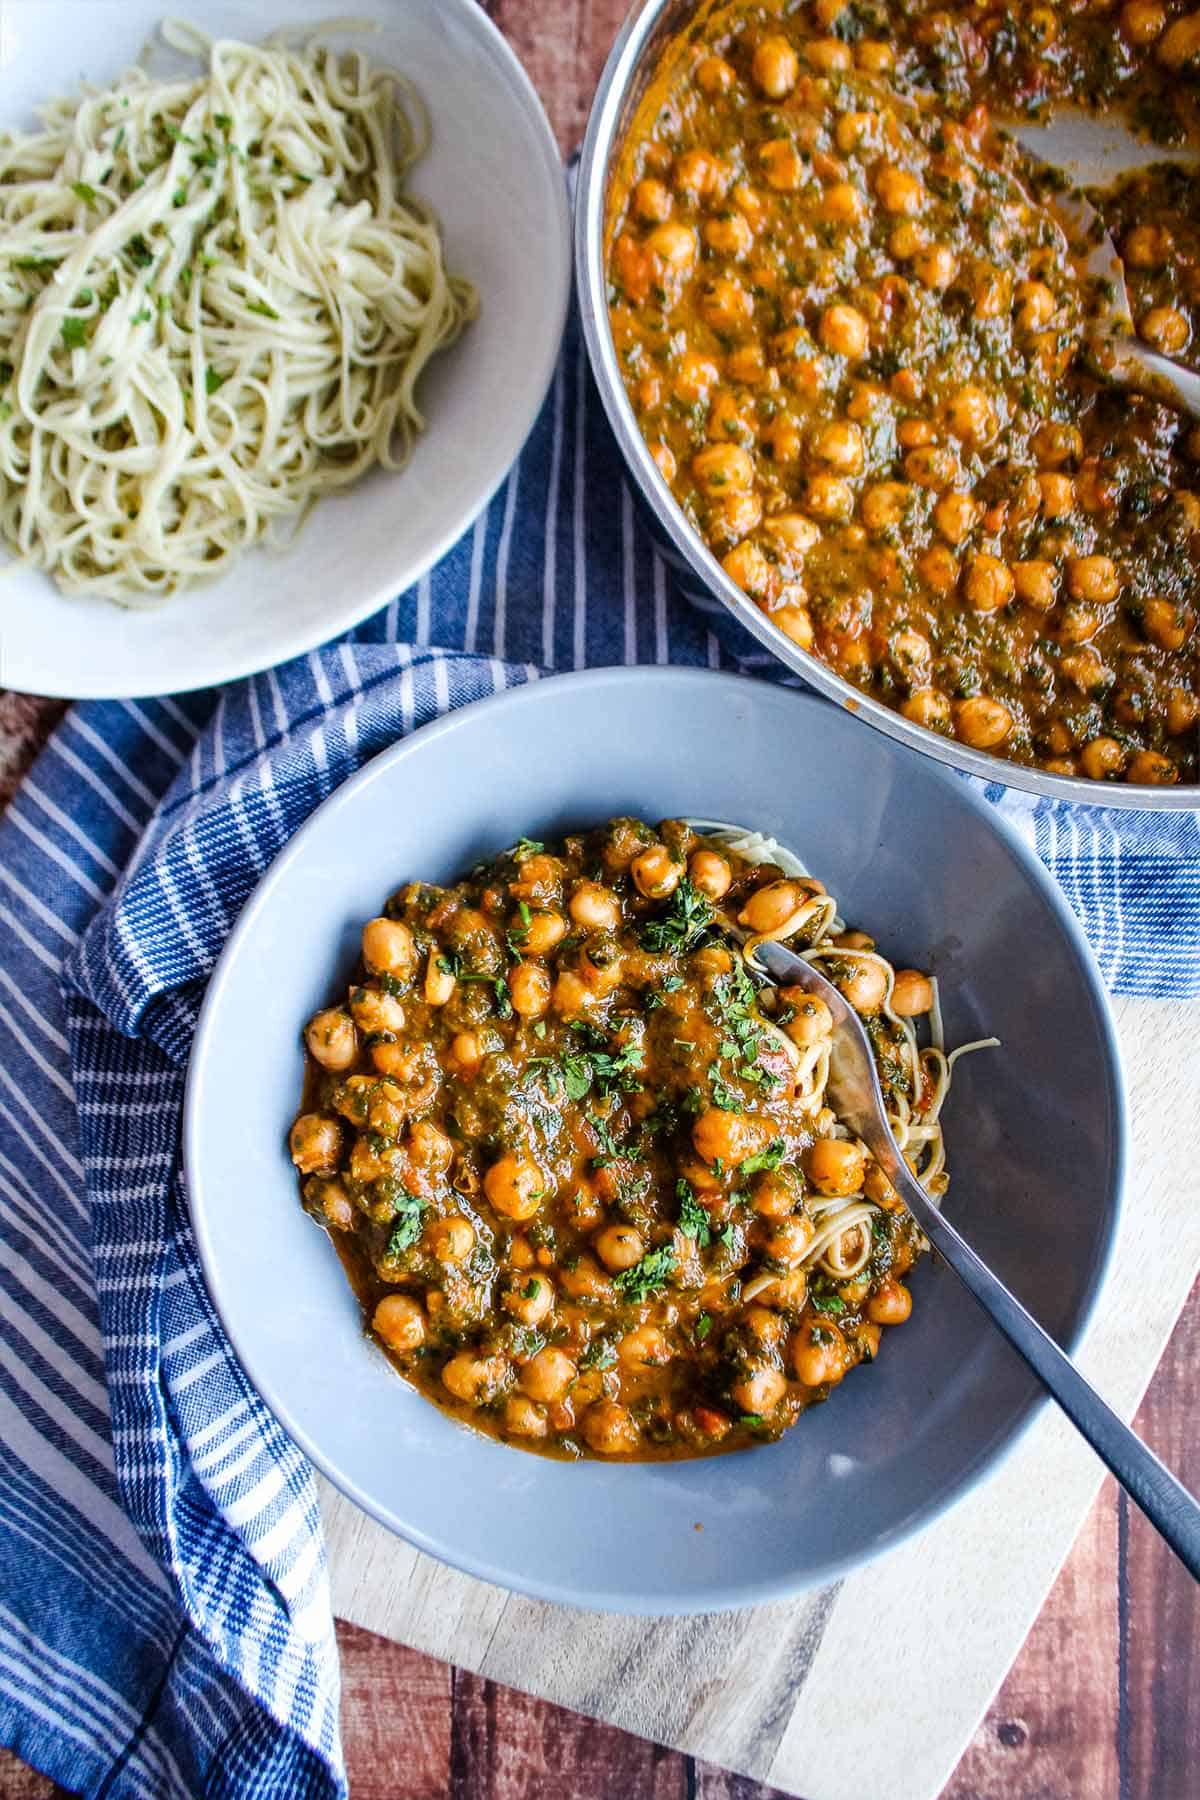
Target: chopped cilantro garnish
525, 847
74, 333
261, 307
693, 1220
83, 191
704, 1325
647, 1275
212, 381
723, 1096
599, 1354
687, 916
657, 996
770, 1158
409, 1212
829, 1303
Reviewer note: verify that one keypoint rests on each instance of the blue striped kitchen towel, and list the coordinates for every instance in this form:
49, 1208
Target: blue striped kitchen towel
165, 1623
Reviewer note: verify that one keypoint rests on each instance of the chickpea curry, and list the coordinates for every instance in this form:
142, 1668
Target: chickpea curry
577, 1159
853, 334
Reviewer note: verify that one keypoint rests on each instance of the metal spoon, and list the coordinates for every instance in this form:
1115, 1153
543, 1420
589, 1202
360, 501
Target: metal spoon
856, 1097
1079, 151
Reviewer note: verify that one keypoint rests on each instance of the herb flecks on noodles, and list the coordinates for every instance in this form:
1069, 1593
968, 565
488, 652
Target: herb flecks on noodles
215, 303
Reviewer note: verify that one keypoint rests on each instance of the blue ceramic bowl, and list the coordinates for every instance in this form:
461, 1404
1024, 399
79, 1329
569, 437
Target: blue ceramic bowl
1036, 1134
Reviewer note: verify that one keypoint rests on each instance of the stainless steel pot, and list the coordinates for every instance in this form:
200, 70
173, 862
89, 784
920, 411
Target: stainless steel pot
651, 24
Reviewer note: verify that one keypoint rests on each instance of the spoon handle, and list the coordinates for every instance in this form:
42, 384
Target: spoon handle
1129, 363
1165, 1502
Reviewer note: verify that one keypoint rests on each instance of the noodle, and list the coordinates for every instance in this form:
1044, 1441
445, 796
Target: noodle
841, 1245
215, 305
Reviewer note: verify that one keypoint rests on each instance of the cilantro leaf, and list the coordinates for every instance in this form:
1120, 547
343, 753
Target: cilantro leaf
770, 1158
704, 1325
261, 307
82, 191
687, 916
828, 1303
599, 1354
212, 381
647, 1275
74, 333
693, 1220
409, 1213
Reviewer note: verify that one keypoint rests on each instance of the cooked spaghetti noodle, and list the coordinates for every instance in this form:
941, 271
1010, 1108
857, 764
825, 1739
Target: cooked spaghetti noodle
216, 301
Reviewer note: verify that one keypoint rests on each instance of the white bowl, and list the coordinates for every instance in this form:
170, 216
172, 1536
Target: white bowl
494, 177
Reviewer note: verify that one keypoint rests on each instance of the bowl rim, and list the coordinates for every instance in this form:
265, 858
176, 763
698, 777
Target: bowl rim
599, 143
732, 1595
292, 643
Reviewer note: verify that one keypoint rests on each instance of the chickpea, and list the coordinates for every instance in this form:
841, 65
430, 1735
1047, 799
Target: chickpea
609, 1429
890, 1304
572, 995
874, 57
844, 330
1149, 768
700, 175
854, 940
544, 931
652, 201
777, 1193
400, 1321
898, 191
1165, 328
1078, 623
781, 165
788, 1243
452, 1239
811, 1019
929, 707
1058, 495
878, 1188
912, 994
776, 67
714, 76
548, 1375
619, 1247
829, 497
388, 948
1085, 668
466, 1053
476, 1379
726, 305
1093, 578
656, 873
710, 873
439, 982
335, 1203
530, 1299
1055, 445
645, 1347
1179, 46
523, 1418
529, 988
992, 289
829, 54
729, 235
795, 622
770, 907
911, 432
429, 1148
971, 415
374, 1011
936, 267
886, 505
956, 516
783, 439
515, 1186
1036, 305
932, 466
736, 514
1183, 710
1036, 583
835, 1166
759, 1390
1166, 623
594, 907
694, 380
721, 466
843, 203
747, 565
982, 722
841, 446
331, 1038
818, 1353
1102, 758
853, 128
586, 1281
729, 1136
1148, 246
674, 244
987, 583
315, 1144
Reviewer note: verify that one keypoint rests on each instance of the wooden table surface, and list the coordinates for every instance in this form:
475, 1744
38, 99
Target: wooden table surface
1104, 1699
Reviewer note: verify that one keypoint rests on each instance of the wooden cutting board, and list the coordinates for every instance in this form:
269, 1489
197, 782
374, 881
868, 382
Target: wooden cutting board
889, 1672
